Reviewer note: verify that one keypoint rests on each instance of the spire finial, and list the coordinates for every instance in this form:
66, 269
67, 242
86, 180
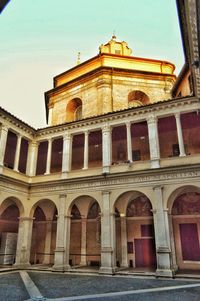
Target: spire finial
114, 36
79, 58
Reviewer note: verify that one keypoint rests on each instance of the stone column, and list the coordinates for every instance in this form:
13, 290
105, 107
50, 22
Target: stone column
161, 227
85, 164
129, 143
47, 247
106, 133
48, 166
153, 142
61, 256
124, 262
66, 156
83, 241
17, 153
180, 135
3, 140
24, 242
32, 158
107, 236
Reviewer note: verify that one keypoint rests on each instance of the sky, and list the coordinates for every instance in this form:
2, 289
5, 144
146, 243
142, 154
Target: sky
41, 38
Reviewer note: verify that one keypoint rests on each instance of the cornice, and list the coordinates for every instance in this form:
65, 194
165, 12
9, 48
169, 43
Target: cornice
148, 178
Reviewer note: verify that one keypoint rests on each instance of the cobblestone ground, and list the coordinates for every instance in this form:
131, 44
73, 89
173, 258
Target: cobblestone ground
12, 288
75, 287
56, 286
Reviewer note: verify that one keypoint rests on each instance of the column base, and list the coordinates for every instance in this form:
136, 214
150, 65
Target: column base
64, 175
155, 163
106, 170
61, 267
22, 266
165, 273
107, 270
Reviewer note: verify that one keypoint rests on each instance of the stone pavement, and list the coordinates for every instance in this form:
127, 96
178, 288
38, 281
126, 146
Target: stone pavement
34, 285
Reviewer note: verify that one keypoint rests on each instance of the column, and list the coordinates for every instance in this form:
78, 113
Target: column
83, 241
61, 259
66, 156
180, 135
153, 142
3, 139
48, 166
17, 153
162, 236
47, 246
50, 114
24, 242
85, 164
129, 143
106, 133
32, 158
107, 236
124, 262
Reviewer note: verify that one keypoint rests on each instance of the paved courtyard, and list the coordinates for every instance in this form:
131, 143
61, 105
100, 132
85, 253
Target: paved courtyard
32, 285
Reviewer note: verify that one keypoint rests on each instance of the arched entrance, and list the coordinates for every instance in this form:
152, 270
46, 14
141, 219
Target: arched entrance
9, 224
186, 229
85, 232
135, 237
43, 233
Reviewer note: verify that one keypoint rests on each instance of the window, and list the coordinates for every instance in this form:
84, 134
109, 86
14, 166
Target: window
136, 155
175, 150
78, 113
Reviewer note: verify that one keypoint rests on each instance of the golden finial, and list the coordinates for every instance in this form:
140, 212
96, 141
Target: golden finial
114, 36
79, 58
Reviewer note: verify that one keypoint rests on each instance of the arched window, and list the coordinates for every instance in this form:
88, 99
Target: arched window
137, 98
74, 110
78, 113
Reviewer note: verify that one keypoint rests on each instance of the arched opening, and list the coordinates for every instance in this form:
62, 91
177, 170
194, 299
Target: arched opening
85, 233
137, 98
94, 235
9, 224
74, 110
43, 233
135, 238
186, 229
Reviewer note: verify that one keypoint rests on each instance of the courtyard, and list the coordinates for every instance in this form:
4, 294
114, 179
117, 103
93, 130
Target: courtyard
35, 285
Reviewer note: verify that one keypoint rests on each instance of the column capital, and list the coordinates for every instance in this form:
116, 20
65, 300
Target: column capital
158, 187
67, 136
26, 218
33, 143
177, 115
106, 128
106, 192
4, 127
152, 119
128, 123
62, 195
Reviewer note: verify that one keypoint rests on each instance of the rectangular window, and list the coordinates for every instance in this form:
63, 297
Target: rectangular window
136, 155
130, 247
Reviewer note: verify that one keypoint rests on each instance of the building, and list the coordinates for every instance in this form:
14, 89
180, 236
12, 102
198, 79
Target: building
114, 181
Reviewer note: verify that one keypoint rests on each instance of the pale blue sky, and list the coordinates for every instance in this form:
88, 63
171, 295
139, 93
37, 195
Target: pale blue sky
41, 38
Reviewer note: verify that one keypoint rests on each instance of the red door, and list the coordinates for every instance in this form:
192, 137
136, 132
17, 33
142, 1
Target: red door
189, 242
145, 253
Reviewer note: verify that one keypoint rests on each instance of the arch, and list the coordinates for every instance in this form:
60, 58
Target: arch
94, 211
137, 98
184, 204
140, 206
44, 229
44, 204
135, 238
74, 110
10, 201
9, 224
179, 191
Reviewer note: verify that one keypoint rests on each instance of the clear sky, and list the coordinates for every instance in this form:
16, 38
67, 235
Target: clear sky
41, 38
